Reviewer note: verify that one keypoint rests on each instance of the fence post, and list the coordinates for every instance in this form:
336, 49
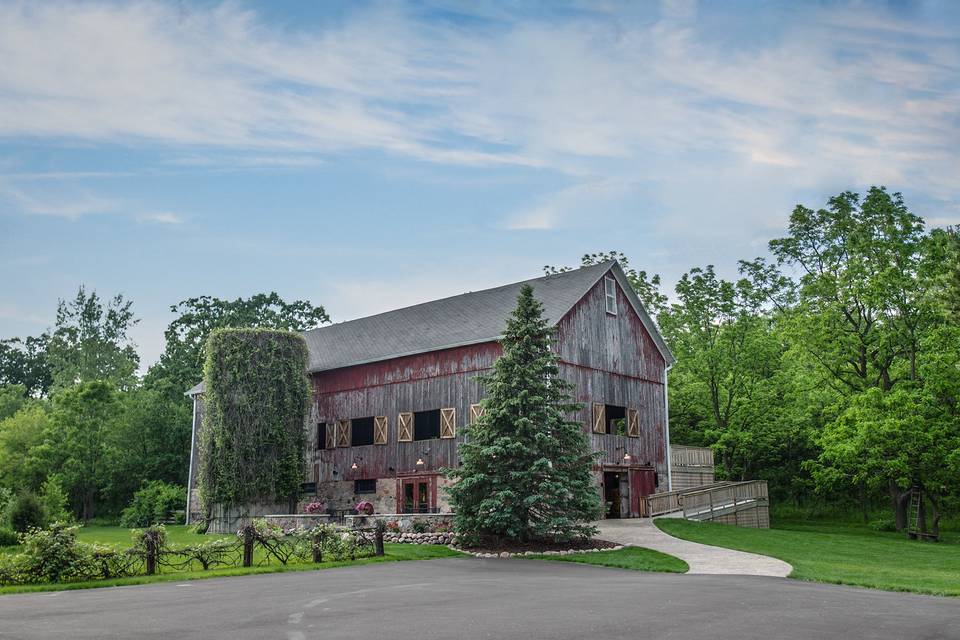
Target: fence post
317, 544
378, 541
150, 542
248, 545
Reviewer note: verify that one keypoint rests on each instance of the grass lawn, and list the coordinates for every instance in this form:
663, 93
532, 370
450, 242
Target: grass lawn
840, 553
636, 558
181, 535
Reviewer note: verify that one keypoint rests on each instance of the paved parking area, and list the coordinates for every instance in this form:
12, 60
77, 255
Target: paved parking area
474, 599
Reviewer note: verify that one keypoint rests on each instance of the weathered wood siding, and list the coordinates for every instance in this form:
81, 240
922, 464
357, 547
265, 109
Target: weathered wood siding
423, 382
611, 359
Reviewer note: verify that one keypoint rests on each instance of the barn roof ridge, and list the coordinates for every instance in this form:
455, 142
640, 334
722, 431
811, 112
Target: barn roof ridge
472, 317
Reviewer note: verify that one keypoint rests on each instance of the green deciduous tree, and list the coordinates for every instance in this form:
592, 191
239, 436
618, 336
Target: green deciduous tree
24, 362
91, 342
22, 464
182, 360
77, 442
525, 468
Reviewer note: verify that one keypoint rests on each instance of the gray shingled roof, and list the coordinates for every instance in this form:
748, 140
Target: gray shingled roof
468, 318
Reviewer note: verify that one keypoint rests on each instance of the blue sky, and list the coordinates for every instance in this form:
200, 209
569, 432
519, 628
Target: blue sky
366, 156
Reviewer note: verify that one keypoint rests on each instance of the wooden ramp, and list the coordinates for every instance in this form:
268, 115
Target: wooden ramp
744, 504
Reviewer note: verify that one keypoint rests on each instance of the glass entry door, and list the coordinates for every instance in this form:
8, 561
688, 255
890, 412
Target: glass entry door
416, 496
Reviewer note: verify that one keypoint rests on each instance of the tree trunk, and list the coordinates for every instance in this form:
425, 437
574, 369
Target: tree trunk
935, 520
898, 502
864, 503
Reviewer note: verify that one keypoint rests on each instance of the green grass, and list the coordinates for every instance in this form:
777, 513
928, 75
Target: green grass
636, 558
840, 553
181, 535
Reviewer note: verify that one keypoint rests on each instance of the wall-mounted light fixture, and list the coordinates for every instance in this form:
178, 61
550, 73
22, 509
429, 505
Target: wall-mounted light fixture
354, 466
419, 462
626, 457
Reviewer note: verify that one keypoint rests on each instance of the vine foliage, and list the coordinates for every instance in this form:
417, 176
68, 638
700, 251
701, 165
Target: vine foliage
252, 438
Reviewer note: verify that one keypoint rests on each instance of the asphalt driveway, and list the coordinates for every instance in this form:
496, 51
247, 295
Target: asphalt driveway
471, 598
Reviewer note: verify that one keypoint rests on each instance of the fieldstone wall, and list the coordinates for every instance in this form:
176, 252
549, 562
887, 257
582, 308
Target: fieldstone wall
231, 519
339, 495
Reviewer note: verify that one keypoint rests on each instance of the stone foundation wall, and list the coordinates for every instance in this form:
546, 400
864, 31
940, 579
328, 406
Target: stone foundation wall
339, 495
230, 520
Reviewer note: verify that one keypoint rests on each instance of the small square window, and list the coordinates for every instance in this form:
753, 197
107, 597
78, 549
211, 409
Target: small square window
610, 293
365, 486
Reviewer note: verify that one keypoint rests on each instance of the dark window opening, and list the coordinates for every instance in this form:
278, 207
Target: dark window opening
426, 425
616, 419
365, 486
322, 435
361, 430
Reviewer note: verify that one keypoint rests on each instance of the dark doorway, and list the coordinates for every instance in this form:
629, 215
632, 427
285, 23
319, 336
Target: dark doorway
611, 493
616, 419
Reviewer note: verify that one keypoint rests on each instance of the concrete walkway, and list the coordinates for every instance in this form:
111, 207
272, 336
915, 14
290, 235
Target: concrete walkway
702, 558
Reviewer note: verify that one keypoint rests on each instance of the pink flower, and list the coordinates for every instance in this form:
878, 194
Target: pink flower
315, 507
364, 508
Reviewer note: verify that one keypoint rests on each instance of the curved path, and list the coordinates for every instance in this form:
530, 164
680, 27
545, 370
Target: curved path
702, 558
473, 599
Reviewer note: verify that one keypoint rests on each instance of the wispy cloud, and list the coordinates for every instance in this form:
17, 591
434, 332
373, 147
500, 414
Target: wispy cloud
62, 205
159, 218
832, 94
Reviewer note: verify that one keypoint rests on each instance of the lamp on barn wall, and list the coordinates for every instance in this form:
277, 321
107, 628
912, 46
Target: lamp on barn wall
626, 457
354, 465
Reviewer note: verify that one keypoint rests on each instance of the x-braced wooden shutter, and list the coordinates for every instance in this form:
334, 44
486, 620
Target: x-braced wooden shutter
448, 423
599, 418
633, 423
476, 410
380, 430
331, 435
405, 427
343, 433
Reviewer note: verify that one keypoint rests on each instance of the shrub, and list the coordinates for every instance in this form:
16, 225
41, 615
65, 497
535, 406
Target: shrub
8, 537
155, 502
54, 555
27, 513
393, 526
884, 524
420, 526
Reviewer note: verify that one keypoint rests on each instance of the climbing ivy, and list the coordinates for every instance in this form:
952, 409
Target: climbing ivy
252, 437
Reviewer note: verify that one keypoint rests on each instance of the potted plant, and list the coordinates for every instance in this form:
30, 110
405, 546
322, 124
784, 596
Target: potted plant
364, 508
315, 507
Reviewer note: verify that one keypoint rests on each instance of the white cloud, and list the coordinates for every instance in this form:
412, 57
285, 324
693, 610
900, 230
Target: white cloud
835, 95
71, 206
162, 217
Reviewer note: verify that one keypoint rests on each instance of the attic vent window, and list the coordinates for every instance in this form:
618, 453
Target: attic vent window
610, 293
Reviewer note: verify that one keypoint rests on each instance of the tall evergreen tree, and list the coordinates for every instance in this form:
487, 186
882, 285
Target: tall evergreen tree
525, 468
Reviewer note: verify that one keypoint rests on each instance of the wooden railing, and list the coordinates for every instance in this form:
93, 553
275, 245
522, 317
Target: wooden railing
658, 504
704, 504
682, 456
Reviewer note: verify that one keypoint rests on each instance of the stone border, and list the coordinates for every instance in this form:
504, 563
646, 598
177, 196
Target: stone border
507, 554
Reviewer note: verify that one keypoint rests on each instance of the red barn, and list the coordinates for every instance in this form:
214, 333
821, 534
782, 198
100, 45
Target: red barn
392, 392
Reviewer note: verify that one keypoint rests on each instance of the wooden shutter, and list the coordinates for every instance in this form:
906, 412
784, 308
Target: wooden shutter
633, 423
599, 418
448, 423
380, 430
331, 435
343, 433
476, 410
405, 427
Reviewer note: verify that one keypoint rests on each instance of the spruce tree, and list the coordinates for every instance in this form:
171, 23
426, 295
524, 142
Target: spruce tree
525, 468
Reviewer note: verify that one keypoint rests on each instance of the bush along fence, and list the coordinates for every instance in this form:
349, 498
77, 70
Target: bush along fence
54, 555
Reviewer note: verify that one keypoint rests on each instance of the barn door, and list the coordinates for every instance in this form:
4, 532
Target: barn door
380, 430
641, 486
343, 433
599, 418
633, 423
405, 427
448, 423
